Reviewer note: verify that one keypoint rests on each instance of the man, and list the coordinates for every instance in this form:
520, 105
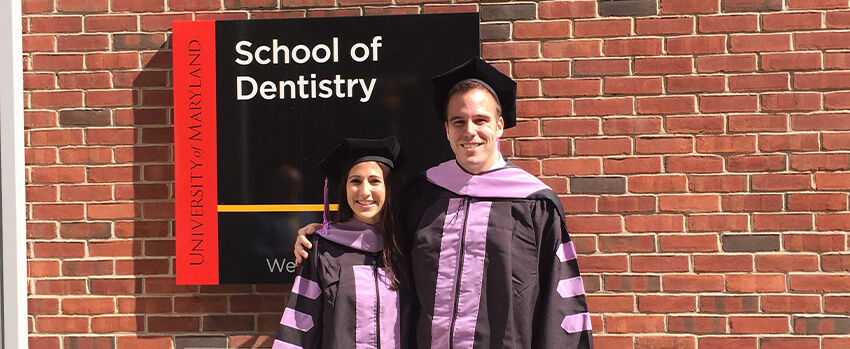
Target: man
492, 262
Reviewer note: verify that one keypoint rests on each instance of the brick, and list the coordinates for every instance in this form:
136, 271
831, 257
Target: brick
56, 137
626, 203
141, 342
62, 324
85, 155
142, 154
37, 6
596, 28
110, 174
601, 67
786, 142
77, 42
752, 202
832, 181
111, 98
115, 248
535, 147
836, 100
759, 42
83, 230
728, 304
751, 5
89, 342
541, 69
782, 61
821, 325
819, 283
835, 343
41, 230
726, 144
756, 163
144, 305
781, 182
664, 26
692, 45
666, 105
723, 263
758, 324
663, 65
82, 6
782, 221
759, 82
633, 47
692, 283
626, 243
110, 60
838, 19
758, 123
542, 30
689, 203
728, 103
532, 108
821, 40
727, 342
755, 283
654, 223
56, 24
717, 183
603, 146
750, 243
60, 287
635, 323
836, 304
57, 99
574, 204
696, 83
821, 80
136, 41
631, 165
702, 123
140, 79
694, 164
37, 43
604, 106
597, 185
570, 9
41, 193
86, 192
663, 145
631, 126
816, 4
57, 212
695, 324
660, 263
728, 23
173, 323
194, 5
817, 202
43, 268
627, 8
572, 166
94, 117
785, 262
604, 264
510, 50
572, 87
39, 118
820, 162
111, 23
661, 183
640, 283
111, 136
666, 304
815, 242
572, 48
820, 122
87, 268
665, 341
675, 7
727, 63
718, 222
791, 304
88, 305
633, 85
594, 224
791, 21
611, 303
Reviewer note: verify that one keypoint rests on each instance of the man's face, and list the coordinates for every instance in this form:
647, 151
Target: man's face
473, 128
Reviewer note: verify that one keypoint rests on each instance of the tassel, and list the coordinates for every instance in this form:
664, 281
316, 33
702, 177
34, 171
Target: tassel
326, 220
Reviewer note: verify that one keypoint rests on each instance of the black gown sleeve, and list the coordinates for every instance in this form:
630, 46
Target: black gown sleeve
301, 323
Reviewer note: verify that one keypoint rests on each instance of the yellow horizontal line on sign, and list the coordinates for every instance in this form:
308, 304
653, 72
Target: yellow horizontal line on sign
276, 208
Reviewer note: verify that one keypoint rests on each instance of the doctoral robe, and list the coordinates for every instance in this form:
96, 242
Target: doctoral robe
341, 297
492, 262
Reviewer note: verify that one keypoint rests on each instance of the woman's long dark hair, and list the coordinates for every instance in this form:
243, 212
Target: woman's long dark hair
393, 257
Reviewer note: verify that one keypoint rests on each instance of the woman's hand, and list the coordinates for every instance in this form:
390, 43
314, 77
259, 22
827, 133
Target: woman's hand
302, 243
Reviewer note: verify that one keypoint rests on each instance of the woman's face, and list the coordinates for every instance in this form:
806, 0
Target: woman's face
365, 191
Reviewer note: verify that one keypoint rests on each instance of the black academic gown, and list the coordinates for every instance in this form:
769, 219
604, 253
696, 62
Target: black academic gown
341, 296
492, 262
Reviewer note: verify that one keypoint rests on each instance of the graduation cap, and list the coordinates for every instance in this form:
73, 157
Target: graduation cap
355, 150
502, 87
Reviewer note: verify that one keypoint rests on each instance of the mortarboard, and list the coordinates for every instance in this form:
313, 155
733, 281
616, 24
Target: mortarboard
355, 150
502, 87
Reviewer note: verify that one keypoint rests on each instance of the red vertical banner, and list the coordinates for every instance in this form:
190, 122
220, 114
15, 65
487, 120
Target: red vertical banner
195, 158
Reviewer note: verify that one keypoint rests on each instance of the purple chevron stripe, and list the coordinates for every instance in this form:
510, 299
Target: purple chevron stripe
279, 344
576, 323
306, 287
571, 287
566, 252
295, 319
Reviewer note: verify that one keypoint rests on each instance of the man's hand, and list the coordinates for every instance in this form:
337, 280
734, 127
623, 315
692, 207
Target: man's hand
302, 243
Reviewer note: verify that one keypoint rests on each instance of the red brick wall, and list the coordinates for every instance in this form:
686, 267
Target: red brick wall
702, 154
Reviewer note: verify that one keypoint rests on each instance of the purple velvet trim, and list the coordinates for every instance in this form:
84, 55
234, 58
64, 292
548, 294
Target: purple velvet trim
365, 302
469, 297
447, 275
566, 252
295, 319
390, 324
570, 287
279, 344
355, 234
576, 323
507, 182
306, 287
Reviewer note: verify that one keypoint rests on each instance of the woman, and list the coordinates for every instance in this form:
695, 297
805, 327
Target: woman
347, 293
